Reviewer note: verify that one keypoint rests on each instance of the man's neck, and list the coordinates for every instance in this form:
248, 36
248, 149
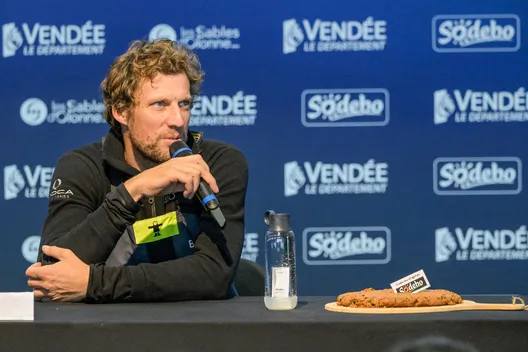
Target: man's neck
142, 163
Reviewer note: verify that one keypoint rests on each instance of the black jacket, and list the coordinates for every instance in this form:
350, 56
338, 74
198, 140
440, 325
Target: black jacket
90, 212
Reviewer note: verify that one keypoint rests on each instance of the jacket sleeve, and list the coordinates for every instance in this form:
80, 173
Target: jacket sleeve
208, 273
80, 217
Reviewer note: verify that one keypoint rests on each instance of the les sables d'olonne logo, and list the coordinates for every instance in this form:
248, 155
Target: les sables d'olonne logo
200, 37
34, 111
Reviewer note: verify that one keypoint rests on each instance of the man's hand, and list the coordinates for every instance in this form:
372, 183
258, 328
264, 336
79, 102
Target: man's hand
175, 175
66, 280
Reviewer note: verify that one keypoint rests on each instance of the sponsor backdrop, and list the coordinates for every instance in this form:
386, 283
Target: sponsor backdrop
393, 133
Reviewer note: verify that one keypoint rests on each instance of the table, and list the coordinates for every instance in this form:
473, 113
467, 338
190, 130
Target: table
243, 324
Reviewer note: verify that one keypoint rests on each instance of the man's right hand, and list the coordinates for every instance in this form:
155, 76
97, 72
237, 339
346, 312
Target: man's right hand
173, 176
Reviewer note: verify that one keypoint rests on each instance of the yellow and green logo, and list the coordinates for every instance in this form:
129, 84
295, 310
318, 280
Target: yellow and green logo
157, 228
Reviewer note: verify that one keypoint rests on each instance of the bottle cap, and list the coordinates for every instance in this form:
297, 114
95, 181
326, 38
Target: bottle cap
277, 222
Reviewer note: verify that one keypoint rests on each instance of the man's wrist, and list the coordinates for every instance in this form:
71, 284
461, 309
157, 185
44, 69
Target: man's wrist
108, 284
133, 189
90, 289
125, 198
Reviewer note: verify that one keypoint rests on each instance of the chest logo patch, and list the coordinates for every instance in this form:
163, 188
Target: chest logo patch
156, 228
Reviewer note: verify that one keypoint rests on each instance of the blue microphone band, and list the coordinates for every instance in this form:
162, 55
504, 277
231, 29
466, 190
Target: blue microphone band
208, 198
181, 150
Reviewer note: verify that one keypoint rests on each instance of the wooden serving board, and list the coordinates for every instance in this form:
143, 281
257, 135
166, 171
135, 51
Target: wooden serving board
517, 304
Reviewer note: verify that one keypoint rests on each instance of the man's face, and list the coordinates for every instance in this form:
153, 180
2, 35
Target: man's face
161, 115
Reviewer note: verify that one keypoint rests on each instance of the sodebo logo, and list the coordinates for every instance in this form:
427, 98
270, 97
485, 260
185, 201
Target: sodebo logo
476, 33
35, 111
346, 245
344, 107
477, 176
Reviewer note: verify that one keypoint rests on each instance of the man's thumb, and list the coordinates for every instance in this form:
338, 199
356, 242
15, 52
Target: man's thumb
55, 252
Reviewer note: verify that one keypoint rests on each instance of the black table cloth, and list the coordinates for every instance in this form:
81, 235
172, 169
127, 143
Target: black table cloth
244, 324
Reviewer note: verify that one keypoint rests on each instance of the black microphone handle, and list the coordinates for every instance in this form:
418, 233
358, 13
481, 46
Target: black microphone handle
204, 192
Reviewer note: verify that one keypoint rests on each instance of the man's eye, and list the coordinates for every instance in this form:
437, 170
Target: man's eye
185, 103
160, 103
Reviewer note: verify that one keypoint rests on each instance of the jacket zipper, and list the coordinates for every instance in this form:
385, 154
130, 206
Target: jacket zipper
152, 206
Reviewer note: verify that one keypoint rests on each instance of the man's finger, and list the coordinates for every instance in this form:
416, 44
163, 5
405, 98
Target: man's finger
204, 165
207, 177
33, 270
187, 181
56, 252
203, 172
40, 293
196, 183
38, 284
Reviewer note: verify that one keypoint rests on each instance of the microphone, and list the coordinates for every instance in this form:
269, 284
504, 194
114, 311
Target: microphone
204, 193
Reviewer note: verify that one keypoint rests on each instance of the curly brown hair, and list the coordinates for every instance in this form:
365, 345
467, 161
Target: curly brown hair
143, 60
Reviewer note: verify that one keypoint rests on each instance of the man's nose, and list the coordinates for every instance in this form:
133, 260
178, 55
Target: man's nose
175, 117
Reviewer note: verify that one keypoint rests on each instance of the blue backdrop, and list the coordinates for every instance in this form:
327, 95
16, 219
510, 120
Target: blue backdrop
392, 131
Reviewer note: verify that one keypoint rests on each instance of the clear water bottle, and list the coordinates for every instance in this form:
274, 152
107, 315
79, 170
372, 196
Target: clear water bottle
281, 276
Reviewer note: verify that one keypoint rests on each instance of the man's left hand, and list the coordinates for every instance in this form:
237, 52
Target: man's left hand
65, 281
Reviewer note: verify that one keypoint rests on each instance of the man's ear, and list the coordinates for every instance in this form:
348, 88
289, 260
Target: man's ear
121, 117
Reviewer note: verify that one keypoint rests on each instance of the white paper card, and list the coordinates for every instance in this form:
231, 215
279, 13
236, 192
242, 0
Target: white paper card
280, 282
412, 283
17, 306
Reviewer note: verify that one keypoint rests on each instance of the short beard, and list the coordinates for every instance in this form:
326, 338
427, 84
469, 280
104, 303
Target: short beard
147, 155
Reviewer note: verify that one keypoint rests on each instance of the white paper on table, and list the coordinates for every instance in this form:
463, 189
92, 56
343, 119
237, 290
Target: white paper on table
17, 306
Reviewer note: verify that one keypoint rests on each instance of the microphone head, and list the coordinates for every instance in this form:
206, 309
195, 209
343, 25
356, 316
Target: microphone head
179, 148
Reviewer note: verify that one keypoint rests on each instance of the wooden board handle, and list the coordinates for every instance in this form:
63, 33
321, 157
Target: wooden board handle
517, 304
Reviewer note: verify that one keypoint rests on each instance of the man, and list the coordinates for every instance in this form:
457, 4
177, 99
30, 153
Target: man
125, 226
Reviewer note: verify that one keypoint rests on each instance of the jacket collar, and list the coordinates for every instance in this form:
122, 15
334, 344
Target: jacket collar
113, 150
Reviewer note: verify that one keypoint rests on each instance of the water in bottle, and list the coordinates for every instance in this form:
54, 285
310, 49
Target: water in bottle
281, 276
